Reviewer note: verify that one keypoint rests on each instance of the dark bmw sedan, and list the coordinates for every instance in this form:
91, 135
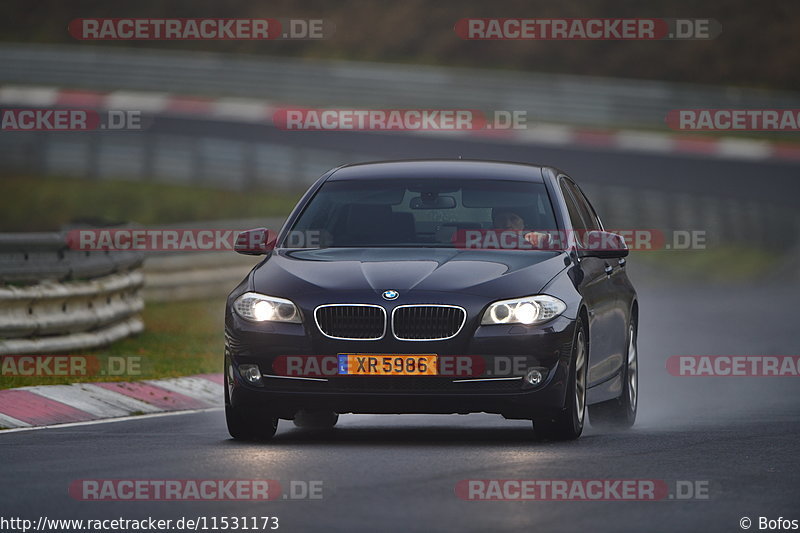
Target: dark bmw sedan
434, 287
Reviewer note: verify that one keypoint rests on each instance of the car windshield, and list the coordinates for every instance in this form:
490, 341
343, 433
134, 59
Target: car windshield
417, 213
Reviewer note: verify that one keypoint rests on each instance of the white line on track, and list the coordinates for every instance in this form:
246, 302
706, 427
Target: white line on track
110, 420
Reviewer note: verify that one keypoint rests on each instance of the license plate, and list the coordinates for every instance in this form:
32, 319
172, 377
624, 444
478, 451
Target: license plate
362, 364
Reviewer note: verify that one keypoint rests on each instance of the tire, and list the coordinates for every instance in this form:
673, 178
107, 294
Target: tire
249, 423
568, 425
316, 419
620, 413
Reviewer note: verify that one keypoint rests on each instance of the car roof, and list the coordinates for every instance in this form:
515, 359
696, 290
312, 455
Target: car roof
440, 168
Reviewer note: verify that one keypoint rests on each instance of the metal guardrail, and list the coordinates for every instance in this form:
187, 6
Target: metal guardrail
192, 275
33, 257
190, 159
189, 275
171, 276
54, 299
558, 98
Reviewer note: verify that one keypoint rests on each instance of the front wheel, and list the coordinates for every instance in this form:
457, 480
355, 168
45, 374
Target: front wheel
620, 413
568, 425
249, 422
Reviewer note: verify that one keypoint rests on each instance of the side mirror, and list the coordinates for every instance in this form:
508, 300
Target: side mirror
257, 241
602, 244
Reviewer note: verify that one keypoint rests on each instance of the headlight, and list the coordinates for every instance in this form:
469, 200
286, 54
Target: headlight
262, 308
529, 310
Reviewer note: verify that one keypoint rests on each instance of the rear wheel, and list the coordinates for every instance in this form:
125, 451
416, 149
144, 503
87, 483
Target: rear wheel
316, 419
620, 413
568, 425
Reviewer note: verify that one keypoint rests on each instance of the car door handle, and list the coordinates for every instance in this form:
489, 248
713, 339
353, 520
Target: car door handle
609, 269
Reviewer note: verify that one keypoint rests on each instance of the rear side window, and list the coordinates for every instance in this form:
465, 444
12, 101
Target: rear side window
580, 212
594, 220
572, 208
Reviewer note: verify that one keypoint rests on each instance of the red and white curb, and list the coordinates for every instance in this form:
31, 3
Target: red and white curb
254, 110
47, 405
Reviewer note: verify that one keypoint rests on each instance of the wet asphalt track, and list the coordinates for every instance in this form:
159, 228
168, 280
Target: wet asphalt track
398, 473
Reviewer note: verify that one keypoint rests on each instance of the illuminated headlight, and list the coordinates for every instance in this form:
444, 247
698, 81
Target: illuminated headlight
262, 308
529, 310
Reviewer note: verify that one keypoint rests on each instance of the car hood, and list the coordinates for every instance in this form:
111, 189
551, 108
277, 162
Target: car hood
491, 273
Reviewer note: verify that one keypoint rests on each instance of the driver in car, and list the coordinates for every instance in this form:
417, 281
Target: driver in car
509, 220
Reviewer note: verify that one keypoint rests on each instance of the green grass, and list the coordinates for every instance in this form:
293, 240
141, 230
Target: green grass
180, 339
44, 204
728, 263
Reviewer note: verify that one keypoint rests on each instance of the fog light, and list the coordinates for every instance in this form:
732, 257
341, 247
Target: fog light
251, 374
534, 377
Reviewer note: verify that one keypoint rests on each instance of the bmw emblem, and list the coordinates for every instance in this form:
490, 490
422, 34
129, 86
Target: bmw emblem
390, 294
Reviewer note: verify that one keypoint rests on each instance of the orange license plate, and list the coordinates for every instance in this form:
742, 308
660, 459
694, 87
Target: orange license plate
363, 364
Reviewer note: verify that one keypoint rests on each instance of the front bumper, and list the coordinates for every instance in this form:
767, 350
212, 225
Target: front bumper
496, 387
